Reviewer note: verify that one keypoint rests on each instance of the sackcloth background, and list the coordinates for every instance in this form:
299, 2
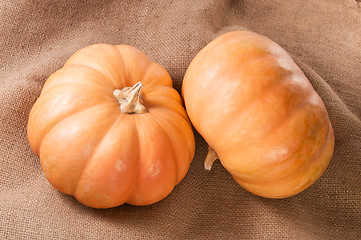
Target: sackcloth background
324, 39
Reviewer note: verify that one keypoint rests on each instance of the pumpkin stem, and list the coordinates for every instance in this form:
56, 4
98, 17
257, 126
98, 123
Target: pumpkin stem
210, 158
130, 99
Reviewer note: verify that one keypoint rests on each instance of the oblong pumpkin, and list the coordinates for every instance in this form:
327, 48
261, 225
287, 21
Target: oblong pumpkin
259, 114
109, 128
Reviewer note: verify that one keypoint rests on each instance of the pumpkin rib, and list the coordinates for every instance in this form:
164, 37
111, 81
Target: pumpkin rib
51, 99
253, 141
68, 116
77, 86
94, 149
177, 113
261, 55
125, 79
249, 105
39, 114
126, 68
174, 156
165, 178
162, 80
318, 153
217, 43
102, 168
94, 69
106, 58
62, 163
136, 171
126, 82
96, 91
176, 128
54, 81
268, 88
252, 99
149, 84
304, 167
167, 102
289, 114
274, 131
165, 92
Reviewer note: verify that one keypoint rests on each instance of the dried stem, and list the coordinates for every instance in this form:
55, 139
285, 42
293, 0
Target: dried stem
130, 99
210, 158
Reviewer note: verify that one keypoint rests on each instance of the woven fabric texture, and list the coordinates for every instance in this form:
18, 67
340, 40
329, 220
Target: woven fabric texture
324, 39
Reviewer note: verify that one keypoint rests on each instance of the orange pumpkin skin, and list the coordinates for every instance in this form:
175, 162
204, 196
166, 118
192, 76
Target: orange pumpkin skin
259, 113
90, 149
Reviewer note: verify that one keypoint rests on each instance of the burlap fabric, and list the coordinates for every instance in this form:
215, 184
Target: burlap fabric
324, 38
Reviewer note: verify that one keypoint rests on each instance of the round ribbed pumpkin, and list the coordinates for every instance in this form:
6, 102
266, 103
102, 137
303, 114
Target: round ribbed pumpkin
110, 129
259, 114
